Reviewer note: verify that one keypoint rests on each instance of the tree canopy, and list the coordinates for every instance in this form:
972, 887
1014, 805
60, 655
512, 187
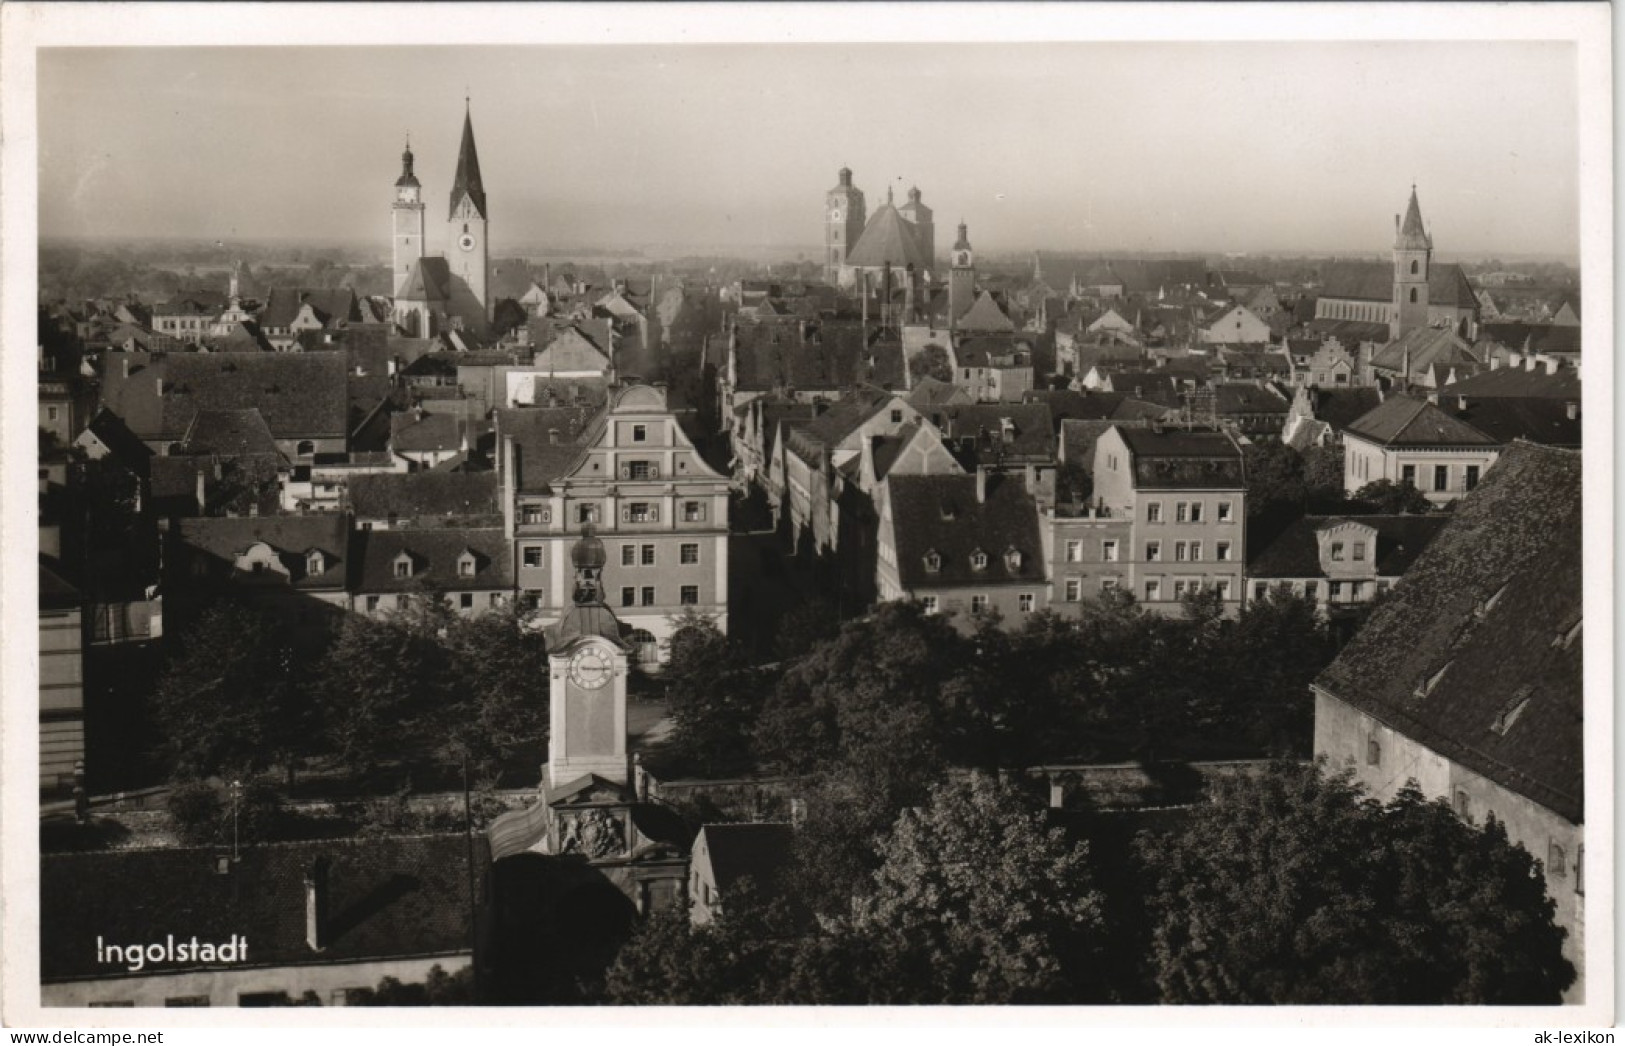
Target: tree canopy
1293, 887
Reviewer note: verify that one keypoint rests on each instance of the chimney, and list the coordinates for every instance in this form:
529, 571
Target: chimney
1551, 365
316, 905
202, 493
1461, 402
160, 382
1030, 475
1572, 409
126, 362
981, 484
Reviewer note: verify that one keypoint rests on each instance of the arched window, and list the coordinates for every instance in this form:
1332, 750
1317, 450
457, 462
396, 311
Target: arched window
1413, 294
1413, 266
645, 647
305, 447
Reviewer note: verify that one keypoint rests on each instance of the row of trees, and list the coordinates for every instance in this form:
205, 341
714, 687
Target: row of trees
420, 688
902, 693
1288, 887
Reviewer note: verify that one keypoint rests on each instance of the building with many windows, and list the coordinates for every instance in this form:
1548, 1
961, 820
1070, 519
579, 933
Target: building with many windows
1408, 440
630, 473
1183, 495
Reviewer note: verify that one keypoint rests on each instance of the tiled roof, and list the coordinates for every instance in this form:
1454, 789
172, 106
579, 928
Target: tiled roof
1180, 459
1532, 337
424, 496
830, 355
216, 542
433, 431
1504, 419
929, 392
1066, 404
1374, 281
235, 483
1485, 619
1079, 436
228, 433
1295, 552
1517, 383
389, 897
1340, 407
334, 306
1350, 332
299, 394
1234, 398
435, 555
1028, 436
428, 281
1406, 421
1424, 348
758, 850
889, 237
809, 439
541, 459
984, 315
940, 514
124, 445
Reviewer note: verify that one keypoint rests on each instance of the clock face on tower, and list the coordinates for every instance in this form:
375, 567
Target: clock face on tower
590, 668
834, 214
466, 242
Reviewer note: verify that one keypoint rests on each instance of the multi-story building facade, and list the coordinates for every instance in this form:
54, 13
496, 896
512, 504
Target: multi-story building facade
629, 472
1406, 440
1183, 494
963, 544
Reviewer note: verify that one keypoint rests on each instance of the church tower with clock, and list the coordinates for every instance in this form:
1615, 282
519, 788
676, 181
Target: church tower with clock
588, 661
844, 218
468, 250
408, 212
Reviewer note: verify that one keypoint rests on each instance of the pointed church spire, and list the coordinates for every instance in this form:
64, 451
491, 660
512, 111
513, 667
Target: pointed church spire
468, 183
1412, 237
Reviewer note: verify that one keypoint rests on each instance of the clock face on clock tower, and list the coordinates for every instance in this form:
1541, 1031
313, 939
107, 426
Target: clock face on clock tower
466, 242
591, 668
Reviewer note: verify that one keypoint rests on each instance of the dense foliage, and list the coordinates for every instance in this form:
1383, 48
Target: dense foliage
973, 900
1293, 887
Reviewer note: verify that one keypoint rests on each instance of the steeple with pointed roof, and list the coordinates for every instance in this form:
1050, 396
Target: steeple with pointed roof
1413, 258
467, 182
1409, 235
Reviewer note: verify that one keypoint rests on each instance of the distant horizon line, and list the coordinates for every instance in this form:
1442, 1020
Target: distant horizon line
812, 251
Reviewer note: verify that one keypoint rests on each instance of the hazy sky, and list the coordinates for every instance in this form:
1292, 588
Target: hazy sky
1114, 146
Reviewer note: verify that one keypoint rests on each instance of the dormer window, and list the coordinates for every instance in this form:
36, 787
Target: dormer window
978, 560
466, 564
1511, 710
1427, 685
403, 565
933, 561
1483, 609
1012, 560
315, 563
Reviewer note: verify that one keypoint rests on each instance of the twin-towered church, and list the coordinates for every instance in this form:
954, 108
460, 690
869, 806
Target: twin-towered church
450, 291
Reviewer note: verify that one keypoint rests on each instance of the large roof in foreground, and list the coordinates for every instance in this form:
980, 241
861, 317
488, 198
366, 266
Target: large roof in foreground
1477, 655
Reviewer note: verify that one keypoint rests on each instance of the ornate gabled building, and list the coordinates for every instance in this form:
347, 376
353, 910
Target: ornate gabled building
630, 470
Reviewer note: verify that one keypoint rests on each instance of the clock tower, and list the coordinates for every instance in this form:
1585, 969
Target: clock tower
844, 217
408, 210
467, 249
588, 662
